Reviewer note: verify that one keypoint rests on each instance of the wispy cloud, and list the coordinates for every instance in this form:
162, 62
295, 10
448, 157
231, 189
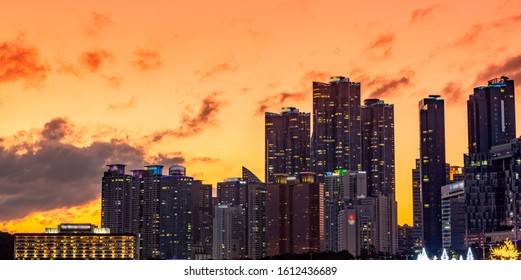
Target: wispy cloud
146, 59
510, 67
97, 22
194, 124
129, 104
222, 67
423, 14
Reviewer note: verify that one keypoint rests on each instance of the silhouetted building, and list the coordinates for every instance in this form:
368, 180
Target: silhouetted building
417, 227
406, 240
202, 218
378, 161
336, 141
287, 140
339, 186
491, 115
294, 215
175, 222
492, 164
454, 220
249, 193
433, 168
117, 200
76, 242
151, 212
228, 232
357, 226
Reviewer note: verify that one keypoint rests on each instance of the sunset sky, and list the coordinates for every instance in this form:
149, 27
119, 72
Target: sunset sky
89, 83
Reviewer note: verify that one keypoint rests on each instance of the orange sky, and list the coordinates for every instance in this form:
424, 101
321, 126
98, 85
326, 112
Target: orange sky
186, 81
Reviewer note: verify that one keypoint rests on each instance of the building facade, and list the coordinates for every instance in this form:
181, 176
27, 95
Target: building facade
287, 143
454, 220
433, 169
336, 141
76, 242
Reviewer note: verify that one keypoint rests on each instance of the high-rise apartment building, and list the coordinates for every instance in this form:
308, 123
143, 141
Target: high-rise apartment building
117, 200
433, 168
491, 166
378, 146
453, 216
228, 232
336, 141
176, 224
287, 143
248, 193
491, 115
202, 218
417, 208
294, 215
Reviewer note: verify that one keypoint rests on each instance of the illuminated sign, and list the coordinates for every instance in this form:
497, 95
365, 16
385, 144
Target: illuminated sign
351, 219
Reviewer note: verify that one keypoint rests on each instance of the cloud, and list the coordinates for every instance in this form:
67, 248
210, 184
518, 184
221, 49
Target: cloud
422, 14
56, 129
389, 86
113, 81
510, 67
97, 22
471, 36
223, 67
279, 99
131, 103
94, 59
193, 124
453, 92
167, 159
56, 175
147, 59
314, 76
204, 159
20, 62
383, 40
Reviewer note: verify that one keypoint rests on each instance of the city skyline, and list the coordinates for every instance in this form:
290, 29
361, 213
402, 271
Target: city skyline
88, 85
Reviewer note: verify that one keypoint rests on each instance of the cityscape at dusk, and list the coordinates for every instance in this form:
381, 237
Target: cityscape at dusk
97, 91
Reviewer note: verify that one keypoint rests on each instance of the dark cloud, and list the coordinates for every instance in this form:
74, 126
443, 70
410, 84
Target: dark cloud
194, 124
453, 92
131, 103
56, 175
422, 14
510, 67
52, 174
56, 129
279, 99
97, 22
95, 58
147, 59
167, 159
21, 62
384, 86
226, 66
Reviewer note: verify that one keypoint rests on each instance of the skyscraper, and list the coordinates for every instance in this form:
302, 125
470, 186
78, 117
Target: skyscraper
378, 146
151, 212
491, 115
249, 194
453, 216
492, 164
116, 200
287, 140
202, 218
294, 215
417, 226
378, 161
433, 168
175, 222
228, 232
336, 141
